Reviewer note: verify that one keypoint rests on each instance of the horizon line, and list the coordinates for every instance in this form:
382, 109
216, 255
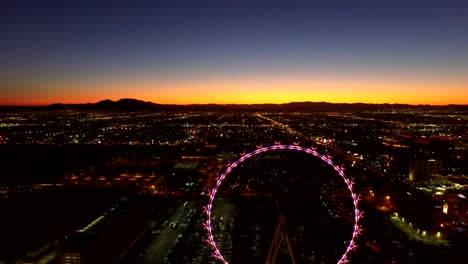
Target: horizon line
221, 104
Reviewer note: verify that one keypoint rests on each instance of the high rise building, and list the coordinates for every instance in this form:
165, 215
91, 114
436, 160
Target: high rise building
420, 170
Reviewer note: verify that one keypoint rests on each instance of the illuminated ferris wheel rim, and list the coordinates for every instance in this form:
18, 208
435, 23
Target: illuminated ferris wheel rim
212, 194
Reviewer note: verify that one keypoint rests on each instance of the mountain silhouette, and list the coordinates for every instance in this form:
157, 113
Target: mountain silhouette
130, 104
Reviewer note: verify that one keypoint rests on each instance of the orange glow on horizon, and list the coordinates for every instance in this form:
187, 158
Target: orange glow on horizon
255, 92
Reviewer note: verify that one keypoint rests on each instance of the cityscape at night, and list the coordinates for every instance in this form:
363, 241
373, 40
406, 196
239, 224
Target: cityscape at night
187, 132
133, 186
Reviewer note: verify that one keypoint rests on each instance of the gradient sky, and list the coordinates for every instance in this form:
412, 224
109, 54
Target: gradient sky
219, 51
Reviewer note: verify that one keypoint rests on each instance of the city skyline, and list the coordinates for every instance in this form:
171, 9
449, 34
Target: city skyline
205, 185
240, 53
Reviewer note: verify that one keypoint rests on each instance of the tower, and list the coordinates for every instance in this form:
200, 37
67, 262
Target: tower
280, 236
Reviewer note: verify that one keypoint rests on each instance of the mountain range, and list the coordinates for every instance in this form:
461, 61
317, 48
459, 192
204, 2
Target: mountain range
128, 104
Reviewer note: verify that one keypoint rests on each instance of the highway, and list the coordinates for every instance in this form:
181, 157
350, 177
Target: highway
223, 208
161, 243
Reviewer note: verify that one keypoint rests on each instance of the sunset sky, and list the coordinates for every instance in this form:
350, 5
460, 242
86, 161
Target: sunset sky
184, 52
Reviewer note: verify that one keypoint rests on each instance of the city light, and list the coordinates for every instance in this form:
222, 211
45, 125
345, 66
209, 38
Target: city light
212, 194
445, 208
166, 158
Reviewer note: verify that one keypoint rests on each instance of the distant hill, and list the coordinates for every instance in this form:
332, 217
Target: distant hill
125, 104
128, 104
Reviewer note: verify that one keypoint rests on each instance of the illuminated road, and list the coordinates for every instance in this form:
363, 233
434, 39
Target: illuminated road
223, 208
162, 243
347, 156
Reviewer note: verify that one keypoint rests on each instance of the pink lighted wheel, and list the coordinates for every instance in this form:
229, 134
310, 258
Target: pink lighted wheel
349, 183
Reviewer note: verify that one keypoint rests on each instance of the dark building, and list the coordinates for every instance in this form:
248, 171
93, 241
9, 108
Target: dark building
419, 208
420, 170
442, 147
47, 254
108, 237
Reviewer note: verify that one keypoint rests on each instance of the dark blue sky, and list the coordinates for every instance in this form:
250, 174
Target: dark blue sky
52, 50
